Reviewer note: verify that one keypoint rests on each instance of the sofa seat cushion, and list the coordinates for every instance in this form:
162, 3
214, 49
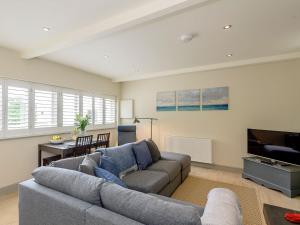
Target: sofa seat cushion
172, 168
185, 160
146, 181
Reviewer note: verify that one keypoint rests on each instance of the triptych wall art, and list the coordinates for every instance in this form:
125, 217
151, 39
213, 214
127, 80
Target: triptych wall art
193, 100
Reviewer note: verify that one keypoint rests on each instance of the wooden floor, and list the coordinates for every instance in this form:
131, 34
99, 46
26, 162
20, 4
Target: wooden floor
9, 202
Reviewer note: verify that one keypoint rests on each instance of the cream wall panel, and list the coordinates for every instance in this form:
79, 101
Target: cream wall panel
263, 96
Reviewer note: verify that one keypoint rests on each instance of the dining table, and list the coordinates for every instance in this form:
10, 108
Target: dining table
63, 149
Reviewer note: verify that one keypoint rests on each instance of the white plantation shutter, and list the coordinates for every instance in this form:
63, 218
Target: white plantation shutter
70, 108
17, 108
98, 109
87, 106
45, 110
110, 111
1, 108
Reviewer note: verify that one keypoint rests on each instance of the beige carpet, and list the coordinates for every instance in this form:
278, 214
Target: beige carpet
195, 190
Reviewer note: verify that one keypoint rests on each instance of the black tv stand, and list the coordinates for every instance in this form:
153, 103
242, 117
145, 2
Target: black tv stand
272, 174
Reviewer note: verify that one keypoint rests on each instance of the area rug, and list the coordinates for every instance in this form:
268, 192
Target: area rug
195, 190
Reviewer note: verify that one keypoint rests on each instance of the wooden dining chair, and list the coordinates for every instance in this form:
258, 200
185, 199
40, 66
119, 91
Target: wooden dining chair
103, 140
83, 145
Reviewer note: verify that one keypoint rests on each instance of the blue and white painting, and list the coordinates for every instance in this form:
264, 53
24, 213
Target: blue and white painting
166, 101
215, 98
188, 100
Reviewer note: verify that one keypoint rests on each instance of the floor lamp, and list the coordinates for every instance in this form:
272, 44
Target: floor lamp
137, 120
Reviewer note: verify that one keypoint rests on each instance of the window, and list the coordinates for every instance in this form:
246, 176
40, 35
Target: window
98, 109
87, 106
17, 108
28, 109
1, 107
45, 114
70, 108
110, 111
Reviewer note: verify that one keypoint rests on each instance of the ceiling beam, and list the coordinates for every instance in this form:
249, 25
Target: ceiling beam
232, 64
145, 13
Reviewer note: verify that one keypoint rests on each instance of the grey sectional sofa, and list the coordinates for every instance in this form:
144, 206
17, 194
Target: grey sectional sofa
162, 177
60, 195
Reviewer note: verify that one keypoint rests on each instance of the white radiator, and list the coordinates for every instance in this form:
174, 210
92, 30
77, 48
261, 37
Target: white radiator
200, 149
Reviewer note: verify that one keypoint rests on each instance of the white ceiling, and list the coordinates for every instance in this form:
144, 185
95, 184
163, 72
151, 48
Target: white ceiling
147, 44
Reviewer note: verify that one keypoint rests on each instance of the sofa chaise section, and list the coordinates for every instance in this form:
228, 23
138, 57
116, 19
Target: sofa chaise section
48, 202
183, 159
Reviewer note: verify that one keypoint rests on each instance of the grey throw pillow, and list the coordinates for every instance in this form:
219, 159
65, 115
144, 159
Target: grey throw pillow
88, 165
154, 151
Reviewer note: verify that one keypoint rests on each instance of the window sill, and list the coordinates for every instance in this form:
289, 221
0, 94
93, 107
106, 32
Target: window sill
49, 133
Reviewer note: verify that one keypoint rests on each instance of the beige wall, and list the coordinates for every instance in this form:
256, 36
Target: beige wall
264, 96
18, 157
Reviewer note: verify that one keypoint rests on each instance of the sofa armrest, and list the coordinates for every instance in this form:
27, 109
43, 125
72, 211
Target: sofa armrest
41, 205
183, 159
97, 215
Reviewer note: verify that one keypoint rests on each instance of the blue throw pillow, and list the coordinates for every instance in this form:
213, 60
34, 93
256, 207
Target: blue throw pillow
108, 176
108, 164
142, 155
123, 157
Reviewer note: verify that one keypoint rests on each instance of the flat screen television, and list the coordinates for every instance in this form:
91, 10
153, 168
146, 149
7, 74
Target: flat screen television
277, 145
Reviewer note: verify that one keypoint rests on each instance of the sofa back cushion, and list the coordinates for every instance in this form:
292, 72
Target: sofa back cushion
154, 151
73, 163
147, 209
123, 157
142, 155
73, 183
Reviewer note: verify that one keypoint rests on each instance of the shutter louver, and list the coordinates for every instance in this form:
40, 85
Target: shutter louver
87, 106
17, 108
45, 109
110, 111
1, 109
70, 108
98, 111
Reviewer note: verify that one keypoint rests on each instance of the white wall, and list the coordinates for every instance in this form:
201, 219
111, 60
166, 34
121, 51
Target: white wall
18, 157
264, 96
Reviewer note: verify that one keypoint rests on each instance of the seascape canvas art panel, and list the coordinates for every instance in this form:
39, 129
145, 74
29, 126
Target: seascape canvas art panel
188, 100
166, 101
215, 98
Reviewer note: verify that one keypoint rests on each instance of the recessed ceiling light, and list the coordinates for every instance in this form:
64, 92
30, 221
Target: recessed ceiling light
227, 27
46, 29
106, 56
229, 55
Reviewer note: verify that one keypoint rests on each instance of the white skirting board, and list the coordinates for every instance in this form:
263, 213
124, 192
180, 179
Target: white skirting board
200, 149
